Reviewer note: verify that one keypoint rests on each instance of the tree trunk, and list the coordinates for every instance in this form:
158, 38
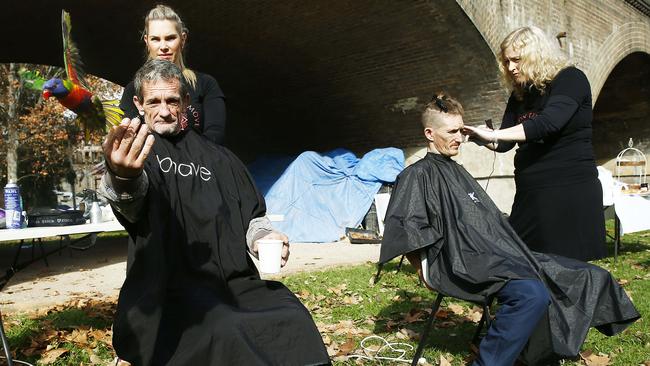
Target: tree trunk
13, 92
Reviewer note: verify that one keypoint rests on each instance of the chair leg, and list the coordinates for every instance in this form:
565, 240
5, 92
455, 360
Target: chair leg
425, 331
5, 343
486, 321
379, 268
399, 266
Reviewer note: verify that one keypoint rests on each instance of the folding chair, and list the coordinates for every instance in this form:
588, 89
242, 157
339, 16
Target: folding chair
5, 343
485, 318
381, 266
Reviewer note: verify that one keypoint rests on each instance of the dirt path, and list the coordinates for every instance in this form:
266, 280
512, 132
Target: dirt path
99, 271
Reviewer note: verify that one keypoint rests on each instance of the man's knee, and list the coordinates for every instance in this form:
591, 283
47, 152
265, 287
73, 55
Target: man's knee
531, 294
536, 294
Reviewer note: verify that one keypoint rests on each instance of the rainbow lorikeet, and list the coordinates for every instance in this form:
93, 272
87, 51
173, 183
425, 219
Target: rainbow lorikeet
73, 92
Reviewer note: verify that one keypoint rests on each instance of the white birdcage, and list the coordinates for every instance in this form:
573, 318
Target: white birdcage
631, 167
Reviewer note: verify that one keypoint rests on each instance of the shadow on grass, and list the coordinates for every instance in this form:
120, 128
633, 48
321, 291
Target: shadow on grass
450, 333
630, 246
108, 249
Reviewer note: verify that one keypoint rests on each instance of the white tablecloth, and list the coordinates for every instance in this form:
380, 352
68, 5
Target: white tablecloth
44, 232
633, 211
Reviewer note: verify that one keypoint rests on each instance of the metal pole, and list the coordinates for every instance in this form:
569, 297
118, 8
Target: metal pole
5, 343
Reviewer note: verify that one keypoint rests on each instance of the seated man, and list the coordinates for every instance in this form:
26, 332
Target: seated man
192, 295
547, 303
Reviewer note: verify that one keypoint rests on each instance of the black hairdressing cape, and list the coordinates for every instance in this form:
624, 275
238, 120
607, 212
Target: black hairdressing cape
192, 295
472, 251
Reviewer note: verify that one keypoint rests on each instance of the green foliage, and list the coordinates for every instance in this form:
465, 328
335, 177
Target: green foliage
32, 79
46, 136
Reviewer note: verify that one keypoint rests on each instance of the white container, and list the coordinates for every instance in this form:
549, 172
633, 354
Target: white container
270, 255
95, 213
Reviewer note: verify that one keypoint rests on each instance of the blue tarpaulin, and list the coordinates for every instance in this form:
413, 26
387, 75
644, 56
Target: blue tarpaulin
320, 195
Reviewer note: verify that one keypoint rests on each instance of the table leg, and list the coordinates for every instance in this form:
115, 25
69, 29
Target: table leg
40, 245
617, 236
5, 343
17, 255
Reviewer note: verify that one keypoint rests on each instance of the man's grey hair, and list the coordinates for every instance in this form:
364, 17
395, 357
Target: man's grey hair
155, 70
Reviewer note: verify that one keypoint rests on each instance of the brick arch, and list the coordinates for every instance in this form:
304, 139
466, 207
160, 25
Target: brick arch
482, 14
630, 37
496, 19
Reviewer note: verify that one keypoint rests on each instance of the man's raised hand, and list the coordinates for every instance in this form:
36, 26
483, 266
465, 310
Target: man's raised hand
126, 148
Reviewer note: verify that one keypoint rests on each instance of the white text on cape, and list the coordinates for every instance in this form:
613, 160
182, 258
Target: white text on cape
167, 165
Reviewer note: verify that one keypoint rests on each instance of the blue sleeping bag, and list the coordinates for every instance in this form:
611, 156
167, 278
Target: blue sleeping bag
320, 195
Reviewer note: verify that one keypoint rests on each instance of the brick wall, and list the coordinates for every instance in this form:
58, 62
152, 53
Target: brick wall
320, 75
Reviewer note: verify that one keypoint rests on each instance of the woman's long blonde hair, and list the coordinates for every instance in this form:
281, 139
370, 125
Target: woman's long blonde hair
163, 12
540, 59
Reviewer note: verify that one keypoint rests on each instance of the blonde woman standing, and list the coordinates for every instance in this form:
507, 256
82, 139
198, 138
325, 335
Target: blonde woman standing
165, 37
558, 202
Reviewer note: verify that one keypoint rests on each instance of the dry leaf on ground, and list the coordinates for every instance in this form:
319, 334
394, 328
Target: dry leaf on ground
406, 333
96, 360
327, 340
390, 324
442, 314
475, 314
456, 309
50, 356
444, 361
592, 359
338, 290
346, 348
413, 315
332, 349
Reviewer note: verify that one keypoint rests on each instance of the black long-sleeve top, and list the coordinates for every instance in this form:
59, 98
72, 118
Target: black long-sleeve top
558, 148
206, 112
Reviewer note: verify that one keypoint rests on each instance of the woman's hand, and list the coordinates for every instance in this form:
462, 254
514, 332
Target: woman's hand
481, 135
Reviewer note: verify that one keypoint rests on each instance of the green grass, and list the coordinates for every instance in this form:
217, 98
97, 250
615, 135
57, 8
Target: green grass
69, 327
348, 308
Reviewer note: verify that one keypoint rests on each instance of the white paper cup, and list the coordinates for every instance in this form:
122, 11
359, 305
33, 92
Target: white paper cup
270, 255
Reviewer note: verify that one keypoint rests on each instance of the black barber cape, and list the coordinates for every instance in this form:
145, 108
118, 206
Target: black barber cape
472, 251
192, 295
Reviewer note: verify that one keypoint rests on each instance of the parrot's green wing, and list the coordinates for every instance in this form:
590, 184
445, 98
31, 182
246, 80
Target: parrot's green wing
32, 79
73, 64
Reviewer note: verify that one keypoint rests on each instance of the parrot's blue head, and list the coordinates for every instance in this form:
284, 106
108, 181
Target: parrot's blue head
55, 87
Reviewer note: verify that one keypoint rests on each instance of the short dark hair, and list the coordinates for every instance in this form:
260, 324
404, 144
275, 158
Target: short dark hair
154, 70
440, 103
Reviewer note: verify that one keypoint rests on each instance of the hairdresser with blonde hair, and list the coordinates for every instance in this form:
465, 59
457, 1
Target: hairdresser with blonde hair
165, 37
558, 203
